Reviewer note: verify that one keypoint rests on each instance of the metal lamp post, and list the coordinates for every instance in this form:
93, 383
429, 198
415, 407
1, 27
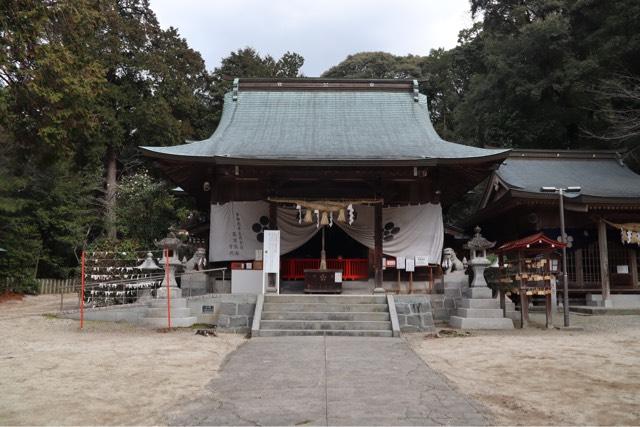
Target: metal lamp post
565, 276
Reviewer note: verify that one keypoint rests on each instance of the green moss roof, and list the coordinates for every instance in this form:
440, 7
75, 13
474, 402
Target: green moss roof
312, 125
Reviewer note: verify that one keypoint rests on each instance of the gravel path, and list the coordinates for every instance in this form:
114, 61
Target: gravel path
51, 373
547, 377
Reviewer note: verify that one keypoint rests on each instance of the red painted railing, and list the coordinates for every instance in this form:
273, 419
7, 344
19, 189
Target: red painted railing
352, 268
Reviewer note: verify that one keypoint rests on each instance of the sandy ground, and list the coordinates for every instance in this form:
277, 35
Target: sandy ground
547, 377
51, 373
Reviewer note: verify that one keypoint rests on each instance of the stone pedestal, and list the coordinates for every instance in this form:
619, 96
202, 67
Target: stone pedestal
479, 310
161, 292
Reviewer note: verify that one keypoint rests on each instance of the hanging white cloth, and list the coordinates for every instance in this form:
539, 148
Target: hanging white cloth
237, 230
408, 231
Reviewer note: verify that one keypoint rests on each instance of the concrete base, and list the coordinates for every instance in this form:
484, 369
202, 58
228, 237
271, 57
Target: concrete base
479, 293
605, 311
181, 316
480, 323
175, 292
161, 322
480, 311
614, 301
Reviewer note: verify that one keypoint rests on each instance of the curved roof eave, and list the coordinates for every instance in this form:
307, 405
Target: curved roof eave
162, 153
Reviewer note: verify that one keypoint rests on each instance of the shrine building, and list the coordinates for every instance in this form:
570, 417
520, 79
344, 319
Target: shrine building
358, 160
602, 217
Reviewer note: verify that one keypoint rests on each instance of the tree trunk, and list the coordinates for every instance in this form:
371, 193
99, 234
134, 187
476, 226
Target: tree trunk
110, 196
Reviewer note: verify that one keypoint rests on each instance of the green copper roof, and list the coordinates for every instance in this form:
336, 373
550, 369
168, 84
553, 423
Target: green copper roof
598, 177
311, 125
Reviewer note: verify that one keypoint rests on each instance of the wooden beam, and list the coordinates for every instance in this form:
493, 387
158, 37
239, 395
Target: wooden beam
604, 261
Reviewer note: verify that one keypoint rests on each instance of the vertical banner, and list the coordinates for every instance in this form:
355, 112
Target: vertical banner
271, 251
271, 258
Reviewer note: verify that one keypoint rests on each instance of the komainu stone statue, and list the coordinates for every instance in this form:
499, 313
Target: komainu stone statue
198, 261
450, 261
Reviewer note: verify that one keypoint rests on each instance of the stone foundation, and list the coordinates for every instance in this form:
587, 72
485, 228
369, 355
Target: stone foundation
414, 313
231, 312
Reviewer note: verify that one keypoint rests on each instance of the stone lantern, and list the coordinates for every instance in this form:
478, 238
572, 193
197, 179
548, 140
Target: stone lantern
148, 265
477, 247
172, 243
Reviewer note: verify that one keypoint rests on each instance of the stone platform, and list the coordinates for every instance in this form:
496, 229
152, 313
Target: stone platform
480, 311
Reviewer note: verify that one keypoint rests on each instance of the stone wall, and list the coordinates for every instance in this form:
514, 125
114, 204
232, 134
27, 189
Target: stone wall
414, 313
230, 312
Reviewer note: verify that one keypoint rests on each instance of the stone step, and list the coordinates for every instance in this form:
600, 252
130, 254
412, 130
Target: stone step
321, 307
175, 312
479, 292
324, 325
340, 316
479, 312
343, 332
162, 302
480, 323
178, 322
324, 299
479, 303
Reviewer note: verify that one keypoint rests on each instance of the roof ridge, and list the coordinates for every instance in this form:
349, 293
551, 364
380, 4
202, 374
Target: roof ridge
563, 154
319, 83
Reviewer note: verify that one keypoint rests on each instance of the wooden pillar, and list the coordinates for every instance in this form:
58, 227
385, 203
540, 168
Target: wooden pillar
273, 216
377, 251
603, 253
579, 268
633, 266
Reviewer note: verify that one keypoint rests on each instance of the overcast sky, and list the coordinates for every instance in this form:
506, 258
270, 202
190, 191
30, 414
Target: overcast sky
324, 32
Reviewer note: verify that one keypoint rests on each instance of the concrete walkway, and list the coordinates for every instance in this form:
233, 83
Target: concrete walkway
328, 381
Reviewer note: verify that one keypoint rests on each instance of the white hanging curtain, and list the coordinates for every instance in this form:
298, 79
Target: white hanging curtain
292, 234
237, 230
408, 231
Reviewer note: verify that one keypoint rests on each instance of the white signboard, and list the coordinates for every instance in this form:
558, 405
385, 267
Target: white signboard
338, 277
622, 269
422, 261
271, 251
400, 263
409, 264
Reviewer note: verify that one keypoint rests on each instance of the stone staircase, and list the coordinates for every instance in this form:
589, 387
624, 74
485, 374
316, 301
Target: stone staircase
350, 315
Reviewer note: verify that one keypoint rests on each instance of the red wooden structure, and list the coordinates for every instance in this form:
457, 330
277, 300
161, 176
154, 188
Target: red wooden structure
352, 268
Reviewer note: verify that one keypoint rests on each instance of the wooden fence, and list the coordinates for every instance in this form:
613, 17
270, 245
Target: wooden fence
56, 286
46, 286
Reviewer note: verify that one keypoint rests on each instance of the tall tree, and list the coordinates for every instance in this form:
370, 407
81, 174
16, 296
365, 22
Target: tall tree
541, 61
82, 84
247, 62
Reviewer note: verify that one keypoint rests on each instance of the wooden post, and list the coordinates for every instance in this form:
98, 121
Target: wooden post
523, 303
604, 261
548, 306
579, 268
377, 251
398, 270
411, 282
273, 216
633, 266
